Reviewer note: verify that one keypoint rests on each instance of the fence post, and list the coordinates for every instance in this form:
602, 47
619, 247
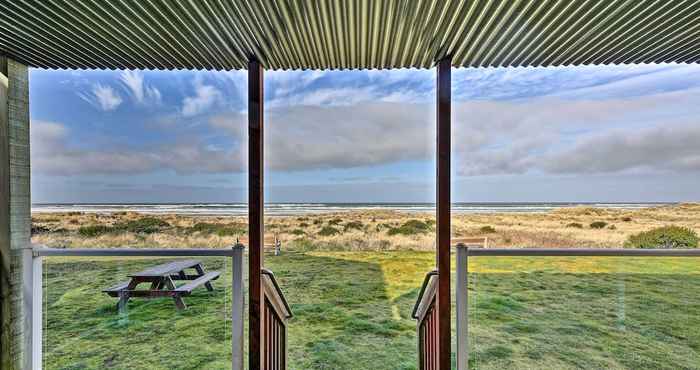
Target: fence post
237, 306
462, 291
37, 292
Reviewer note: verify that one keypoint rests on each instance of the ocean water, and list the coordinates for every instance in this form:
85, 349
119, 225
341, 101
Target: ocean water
288, 209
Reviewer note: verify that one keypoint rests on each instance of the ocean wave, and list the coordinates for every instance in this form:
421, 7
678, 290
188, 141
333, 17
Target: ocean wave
289, 209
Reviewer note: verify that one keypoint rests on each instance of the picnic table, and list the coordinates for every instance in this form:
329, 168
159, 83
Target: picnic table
162, 279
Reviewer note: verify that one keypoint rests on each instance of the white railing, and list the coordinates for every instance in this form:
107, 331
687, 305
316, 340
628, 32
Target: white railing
237, 288
462, 279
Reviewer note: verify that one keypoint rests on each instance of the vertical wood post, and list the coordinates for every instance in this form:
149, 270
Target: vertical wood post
256, 206
5, 268
15, 218
444, 97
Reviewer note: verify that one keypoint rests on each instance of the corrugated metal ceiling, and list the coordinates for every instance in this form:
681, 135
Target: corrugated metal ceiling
337, 34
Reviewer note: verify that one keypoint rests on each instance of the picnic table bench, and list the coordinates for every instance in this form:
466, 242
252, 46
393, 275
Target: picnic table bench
162, 279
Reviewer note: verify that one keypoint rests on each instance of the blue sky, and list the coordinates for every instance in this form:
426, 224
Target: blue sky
617, 133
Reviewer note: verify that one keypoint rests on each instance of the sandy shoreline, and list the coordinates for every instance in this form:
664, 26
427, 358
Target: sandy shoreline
361, 229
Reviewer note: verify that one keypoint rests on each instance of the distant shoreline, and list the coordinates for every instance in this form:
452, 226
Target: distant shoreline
293, 209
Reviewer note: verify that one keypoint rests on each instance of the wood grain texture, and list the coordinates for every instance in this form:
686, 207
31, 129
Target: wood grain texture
15, 217
5, 273
444, 97
255, 213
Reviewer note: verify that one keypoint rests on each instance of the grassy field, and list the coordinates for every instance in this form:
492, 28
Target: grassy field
352, 311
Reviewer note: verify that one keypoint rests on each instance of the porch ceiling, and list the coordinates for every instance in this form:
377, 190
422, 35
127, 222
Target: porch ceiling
341, 34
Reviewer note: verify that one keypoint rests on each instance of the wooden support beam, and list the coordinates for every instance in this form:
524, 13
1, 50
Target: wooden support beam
5, 252
256, 205
444, 87
16, 275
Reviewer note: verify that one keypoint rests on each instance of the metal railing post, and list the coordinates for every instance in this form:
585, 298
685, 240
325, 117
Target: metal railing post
37, 292
462, 291
237, 307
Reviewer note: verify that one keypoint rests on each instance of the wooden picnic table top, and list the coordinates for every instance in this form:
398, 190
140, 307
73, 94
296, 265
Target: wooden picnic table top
166, 269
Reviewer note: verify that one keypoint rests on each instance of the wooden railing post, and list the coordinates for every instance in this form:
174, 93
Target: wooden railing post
256, 207
443, 231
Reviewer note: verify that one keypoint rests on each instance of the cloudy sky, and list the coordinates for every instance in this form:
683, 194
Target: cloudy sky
546, 134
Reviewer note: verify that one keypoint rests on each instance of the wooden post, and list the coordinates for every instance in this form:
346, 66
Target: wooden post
15, 219
443, 211
256, 206
5, 267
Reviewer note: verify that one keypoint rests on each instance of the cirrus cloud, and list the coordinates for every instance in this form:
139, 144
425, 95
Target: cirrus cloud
103, 97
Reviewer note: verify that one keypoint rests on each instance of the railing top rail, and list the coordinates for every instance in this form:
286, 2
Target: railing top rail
279, 291
582, 252
39, 251
426, 280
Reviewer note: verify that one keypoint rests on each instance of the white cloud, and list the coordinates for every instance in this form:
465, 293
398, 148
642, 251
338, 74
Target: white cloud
663, 149
103, 97
52, 154
206, 96
141, 92
489, 137
304, 137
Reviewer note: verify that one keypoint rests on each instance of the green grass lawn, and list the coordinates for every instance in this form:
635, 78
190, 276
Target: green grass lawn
352, 311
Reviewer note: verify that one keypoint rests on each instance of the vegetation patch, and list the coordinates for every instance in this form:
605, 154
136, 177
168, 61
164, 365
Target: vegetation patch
496, 353
487, 229
335, 221
145, 225
598, 225
410, 227
667, 237
383, 226
219, 229
353, 225
91, 231
304, 244
298, 232
328, 231
37, 229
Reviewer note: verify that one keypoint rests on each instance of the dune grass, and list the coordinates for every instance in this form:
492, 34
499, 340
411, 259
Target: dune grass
352, 311
363, 230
